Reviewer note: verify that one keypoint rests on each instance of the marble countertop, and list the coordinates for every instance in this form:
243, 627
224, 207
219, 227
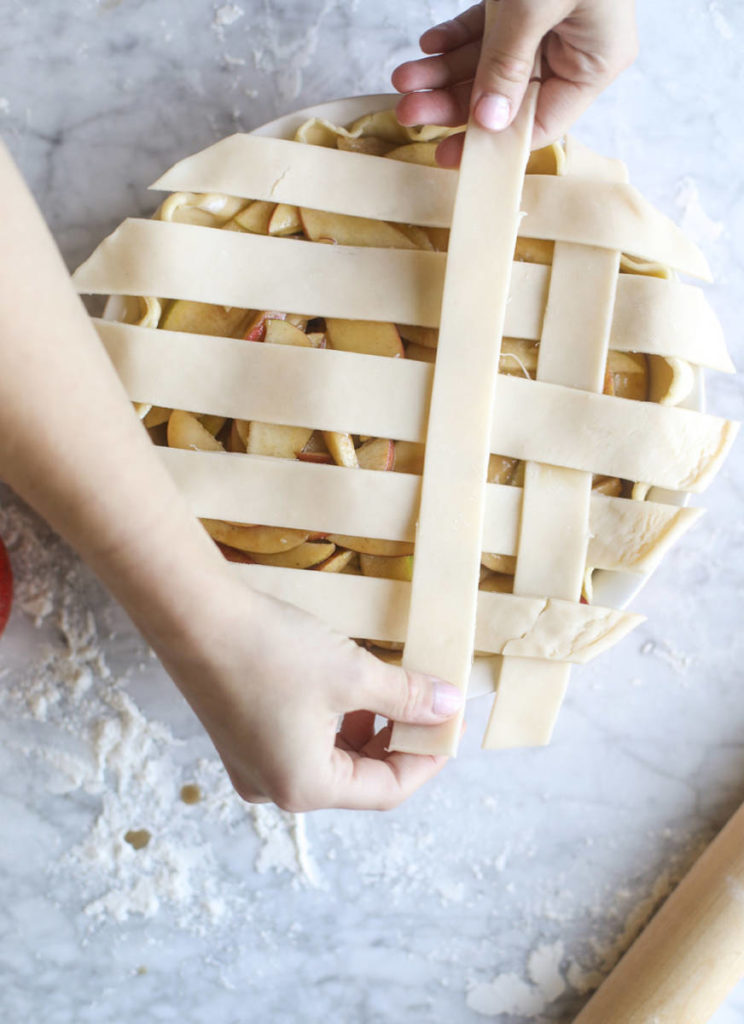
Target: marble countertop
516, 874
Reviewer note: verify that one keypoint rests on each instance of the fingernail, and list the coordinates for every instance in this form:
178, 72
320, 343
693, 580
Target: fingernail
492, 111
447, 699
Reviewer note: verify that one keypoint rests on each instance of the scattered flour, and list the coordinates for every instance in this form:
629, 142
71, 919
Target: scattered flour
508, 993
227, 15
81, 726
678, 660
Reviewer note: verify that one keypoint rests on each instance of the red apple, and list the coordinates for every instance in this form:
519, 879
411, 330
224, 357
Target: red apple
6, 587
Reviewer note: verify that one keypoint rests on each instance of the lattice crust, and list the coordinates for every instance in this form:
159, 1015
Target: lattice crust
569, 427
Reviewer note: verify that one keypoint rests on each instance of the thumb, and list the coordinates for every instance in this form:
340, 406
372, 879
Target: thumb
412, 696
514, 31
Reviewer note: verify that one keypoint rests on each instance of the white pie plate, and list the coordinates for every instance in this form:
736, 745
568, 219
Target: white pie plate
611, 589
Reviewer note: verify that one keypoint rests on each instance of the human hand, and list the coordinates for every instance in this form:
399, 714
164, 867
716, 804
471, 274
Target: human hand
270, 685
585, 45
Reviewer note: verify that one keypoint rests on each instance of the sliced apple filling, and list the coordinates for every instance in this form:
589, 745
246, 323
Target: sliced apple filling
628, 375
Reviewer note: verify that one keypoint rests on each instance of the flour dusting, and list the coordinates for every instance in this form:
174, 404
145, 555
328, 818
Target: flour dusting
88, 736
228, 14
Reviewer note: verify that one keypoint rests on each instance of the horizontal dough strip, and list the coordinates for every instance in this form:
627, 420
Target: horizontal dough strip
627, 535
229, 268
667, 318
580, 430
532, 420
377, 609
608, 214
277, 170
183, 261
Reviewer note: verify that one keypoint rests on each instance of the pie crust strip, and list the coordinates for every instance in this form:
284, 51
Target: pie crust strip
446, 570
321, 178
184, 261
531, 628
229, 268
609, 214
554, 530
532, 420
625, 535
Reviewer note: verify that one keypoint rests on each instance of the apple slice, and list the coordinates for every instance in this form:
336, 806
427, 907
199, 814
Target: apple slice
396, 567
263, 540
185, 431
281, 332
6, 587
322, 458
420, 353
304, 556
204, 318
316, 443
670, 379
506, 564
285, 220
416, 153
497, 583
409, 457
371, 337
534, 250
233, 555
341, 447
426, 336
213, 424
502, 470
254, 218
379, 453
242, 427
256, 327
370, 145
609, 485
629, 372
234, 441
341, 229
338, 561
417, 235
518, 357
372, 546
316, 338
156, 416
282, 442
439, 238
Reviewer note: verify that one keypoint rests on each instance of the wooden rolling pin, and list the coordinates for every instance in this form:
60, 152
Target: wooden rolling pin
691, 955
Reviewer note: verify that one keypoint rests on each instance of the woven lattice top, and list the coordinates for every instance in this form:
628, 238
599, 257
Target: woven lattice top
503, 549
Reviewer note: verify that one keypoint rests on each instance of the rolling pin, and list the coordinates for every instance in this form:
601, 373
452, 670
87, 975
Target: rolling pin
691, 955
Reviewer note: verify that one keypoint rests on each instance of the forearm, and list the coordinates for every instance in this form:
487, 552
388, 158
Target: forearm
71, 446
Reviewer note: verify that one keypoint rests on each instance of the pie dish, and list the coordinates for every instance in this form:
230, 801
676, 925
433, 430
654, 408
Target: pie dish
538, 451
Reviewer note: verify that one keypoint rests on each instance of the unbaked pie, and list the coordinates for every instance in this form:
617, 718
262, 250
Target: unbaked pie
297, 309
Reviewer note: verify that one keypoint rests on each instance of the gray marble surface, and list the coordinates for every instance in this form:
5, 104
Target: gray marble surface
429, 913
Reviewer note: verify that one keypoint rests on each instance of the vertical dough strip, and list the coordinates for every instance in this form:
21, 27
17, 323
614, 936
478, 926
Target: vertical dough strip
554, 531
444, 591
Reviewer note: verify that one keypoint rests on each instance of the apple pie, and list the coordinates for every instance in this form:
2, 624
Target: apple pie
501, 355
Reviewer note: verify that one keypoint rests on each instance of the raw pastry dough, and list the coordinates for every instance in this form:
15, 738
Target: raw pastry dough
444, 591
